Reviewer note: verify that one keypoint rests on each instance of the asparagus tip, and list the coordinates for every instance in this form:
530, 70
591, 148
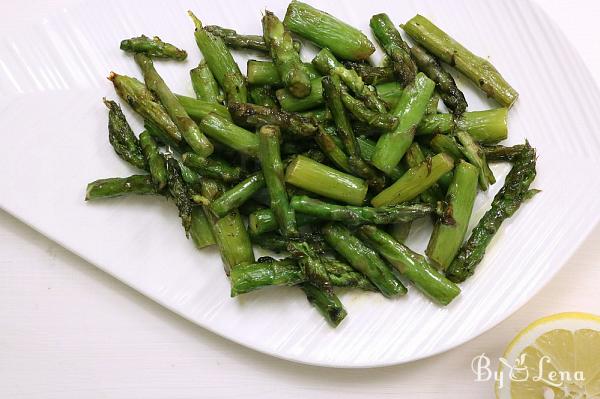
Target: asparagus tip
197, 22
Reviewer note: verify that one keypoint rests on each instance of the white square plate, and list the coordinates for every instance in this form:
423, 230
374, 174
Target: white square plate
52, 79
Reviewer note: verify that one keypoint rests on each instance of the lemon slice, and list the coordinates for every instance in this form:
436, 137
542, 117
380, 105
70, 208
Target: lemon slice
556, 357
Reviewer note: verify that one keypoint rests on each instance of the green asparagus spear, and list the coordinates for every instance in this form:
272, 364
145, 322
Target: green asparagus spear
345, 41
198, 109
412, 265
332, 87
415, 181
200, 230
204, 84
477, 69
485, 126
179, 193
501, 153
291, 103
229, 232
213, 168
414, 157
444, 82
390, 93
188, 128
265, 73
474, 154
447, 238
272, 167
266, 272
262, 95
391, 146
264, 221
311, 264
367, 149
118, 186
342, 274
332, 150
363, 259
372, 75
397, 50
320, 179
121, 136
135, 93
237, 195
153, 47
354, 215
156, 162
505, 204
256, 116
447, 144
378, 120
327, 64
287, 60
327, 303
243, 42
230, 135
221, 63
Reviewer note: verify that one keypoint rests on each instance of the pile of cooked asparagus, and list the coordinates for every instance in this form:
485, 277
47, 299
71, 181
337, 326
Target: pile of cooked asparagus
328, 162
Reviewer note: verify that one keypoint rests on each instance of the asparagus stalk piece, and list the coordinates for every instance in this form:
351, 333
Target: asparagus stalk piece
414, 157
121, 136
484, 126
271, 241
263, 96
204, 84
179, 193
188, 128
363, 259
372, 75
367, 149
256, 116
265, 73
264, 221
213, 168
272, 167
327, 303
243, 42
447, 238
505, 204
390, 93
266, 272
221, 63
287, 60
118, 186
156, 162
474, 154
237, 195
389, 38
354, 215
412, 265
415, 181
332, 150
477, 69
291, 103
345, 41
139, 98
447, 144
332, 86
444, 82
229, 231
391, 146
153, 47
200, 230
327, 64
497, 153
342, 274
320, 179
198, 109
230, 135
311, 264
377, 120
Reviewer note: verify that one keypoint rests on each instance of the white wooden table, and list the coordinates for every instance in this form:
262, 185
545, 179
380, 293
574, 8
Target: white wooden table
68, 330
